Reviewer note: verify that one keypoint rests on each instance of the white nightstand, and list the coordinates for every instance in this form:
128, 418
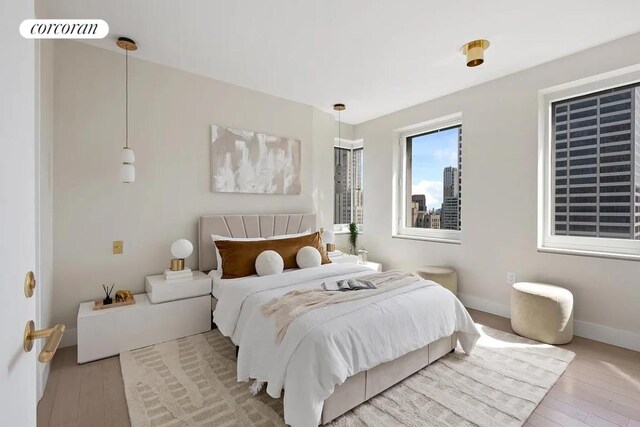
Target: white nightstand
159, 290
372, 265
353, 259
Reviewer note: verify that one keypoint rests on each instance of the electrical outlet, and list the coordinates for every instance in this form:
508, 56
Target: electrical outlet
511, 278
118, 245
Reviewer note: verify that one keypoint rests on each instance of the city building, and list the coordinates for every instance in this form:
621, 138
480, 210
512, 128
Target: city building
597, 164
342, 205
450, 182
348, 206
450, 217
421, 200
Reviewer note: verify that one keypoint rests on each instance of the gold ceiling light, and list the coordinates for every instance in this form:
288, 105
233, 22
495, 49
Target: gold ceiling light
475, 52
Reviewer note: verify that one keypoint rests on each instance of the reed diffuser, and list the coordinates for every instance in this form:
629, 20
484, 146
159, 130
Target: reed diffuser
107, 291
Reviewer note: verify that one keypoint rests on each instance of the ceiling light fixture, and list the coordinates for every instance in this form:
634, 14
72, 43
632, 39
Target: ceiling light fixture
127, 170
339, 177
475, 52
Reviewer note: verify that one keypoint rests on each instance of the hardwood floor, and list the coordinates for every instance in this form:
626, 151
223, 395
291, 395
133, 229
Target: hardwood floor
600, 388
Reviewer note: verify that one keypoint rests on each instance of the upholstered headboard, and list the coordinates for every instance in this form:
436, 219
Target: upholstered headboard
246, 226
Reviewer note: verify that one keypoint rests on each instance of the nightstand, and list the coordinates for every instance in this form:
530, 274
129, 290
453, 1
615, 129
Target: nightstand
353, 259
372, 265
160, 290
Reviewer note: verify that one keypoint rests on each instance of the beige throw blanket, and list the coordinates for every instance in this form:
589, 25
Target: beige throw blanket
295, 303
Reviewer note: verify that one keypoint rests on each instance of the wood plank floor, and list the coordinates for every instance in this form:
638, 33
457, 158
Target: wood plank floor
601, 387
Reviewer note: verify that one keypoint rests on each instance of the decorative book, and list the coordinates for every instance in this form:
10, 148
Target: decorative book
181, 275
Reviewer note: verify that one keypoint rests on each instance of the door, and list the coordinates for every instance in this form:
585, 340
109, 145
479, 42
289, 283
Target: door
17, 214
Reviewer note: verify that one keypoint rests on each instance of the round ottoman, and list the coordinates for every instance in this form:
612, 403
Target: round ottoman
444, 276
542, 312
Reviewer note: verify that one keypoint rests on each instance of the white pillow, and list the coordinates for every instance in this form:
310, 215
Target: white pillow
289, 236
216, 237
308, 257
269, 262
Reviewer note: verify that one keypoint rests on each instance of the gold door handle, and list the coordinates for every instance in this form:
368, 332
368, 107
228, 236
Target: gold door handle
53, 335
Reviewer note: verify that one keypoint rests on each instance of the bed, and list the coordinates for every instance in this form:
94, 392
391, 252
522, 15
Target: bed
332, 359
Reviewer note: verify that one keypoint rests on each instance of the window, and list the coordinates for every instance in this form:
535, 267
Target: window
591, 182
348, 206
429, 167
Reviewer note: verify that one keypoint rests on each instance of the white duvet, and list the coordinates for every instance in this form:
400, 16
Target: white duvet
322, 348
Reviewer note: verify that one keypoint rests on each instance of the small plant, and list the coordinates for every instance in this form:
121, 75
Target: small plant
353, 237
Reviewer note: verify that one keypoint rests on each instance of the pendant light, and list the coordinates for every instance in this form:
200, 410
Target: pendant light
339, 175
127, 170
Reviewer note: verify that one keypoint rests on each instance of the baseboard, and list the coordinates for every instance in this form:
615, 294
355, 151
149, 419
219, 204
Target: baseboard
606, 334
592, 331
70, 338
485, 305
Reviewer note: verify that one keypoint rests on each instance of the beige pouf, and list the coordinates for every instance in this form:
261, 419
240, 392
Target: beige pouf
444, 276
542, 312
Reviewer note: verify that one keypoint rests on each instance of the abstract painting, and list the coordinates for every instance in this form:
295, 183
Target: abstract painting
249, 162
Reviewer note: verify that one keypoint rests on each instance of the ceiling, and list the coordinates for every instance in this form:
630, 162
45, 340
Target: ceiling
375, 56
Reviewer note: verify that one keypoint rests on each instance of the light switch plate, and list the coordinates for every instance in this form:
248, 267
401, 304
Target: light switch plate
511, 278
117, 247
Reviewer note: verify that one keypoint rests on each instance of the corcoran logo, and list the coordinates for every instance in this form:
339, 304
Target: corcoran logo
64, 29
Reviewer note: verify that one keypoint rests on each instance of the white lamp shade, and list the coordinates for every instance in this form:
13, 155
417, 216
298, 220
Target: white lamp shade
127, 156
181, 249
329, 237
127, 173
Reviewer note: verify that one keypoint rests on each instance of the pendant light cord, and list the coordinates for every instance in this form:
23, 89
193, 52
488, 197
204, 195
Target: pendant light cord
126, 97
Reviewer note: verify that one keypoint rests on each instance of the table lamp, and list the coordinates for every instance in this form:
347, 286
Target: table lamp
329, 238
180, 249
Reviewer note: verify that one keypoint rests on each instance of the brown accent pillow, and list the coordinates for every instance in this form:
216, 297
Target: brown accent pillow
239, 258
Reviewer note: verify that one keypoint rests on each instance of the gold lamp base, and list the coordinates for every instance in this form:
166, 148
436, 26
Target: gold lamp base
331, 247
177, 264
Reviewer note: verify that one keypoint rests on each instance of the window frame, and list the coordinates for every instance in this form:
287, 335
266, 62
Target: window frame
351, 145
402, 191
574, 245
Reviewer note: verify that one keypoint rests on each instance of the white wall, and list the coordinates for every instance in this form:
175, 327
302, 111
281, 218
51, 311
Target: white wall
170, 114
499, 205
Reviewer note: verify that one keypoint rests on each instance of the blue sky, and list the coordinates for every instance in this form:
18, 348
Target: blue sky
431, 154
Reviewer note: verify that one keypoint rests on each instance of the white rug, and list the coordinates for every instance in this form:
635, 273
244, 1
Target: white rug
192, 381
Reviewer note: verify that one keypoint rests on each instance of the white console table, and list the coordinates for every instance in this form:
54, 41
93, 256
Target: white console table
107, 332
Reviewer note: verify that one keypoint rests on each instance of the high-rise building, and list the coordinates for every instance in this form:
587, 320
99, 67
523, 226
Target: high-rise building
346, 207
460, 178
421, 200
342, 205
356, 174
450, 216
597, 164
450, 182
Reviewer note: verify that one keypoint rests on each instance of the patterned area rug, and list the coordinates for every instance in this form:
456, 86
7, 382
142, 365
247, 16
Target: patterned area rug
192, 381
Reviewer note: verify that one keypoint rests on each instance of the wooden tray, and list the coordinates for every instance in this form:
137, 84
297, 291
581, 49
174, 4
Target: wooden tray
97, 304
